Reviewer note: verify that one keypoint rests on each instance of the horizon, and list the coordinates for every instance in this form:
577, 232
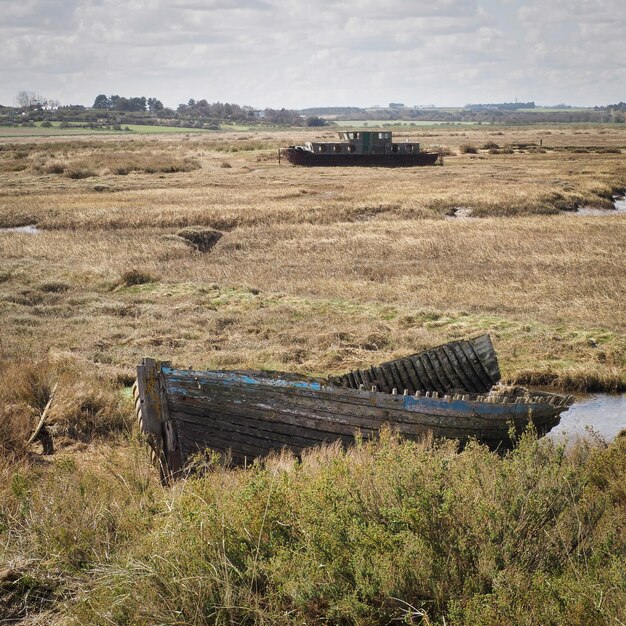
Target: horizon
332, 106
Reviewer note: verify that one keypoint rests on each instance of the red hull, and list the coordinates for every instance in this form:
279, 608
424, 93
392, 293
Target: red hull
304, 157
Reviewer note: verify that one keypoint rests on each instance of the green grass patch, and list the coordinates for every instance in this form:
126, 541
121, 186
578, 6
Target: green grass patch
57, 130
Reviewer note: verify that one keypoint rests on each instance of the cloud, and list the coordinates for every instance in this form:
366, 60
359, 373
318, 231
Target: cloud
305, 52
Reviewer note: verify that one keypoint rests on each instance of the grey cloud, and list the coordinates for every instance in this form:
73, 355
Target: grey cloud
302, 52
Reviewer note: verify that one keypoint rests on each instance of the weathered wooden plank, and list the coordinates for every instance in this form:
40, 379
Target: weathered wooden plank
294, 411
241, 430
469, 370
397, 380
427, 383
386, 377
305, 424
432, 374
367, 379
150, 405
484, 349
412, 376
420, 383
222, 441
466, 382
366, 401
439, 366
444, 359
404, 377
276, 429
252, 444
476, 365
381, 381
446, 370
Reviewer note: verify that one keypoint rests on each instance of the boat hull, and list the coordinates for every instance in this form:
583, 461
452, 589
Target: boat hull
304, 157
247, 415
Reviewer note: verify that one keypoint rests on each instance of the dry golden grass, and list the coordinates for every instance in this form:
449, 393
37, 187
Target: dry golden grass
317, 271
352, 265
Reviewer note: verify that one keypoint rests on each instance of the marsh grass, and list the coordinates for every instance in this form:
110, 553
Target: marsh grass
332, 296
84, 406
316, 272
369, 536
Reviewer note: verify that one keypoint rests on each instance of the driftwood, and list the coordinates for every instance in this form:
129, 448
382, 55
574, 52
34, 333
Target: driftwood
41, 432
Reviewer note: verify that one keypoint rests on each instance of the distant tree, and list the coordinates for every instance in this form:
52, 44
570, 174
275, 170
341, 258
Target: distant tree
102, 102
28, 99
283, 117
154, 105
316, 121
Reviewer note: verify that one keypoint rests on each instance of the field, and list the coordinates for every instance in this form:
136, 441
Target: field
56, 130
317, 271
385, 123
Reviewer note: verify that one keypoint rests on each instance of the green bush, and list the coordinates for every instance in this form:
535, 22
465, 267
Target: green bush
386, 532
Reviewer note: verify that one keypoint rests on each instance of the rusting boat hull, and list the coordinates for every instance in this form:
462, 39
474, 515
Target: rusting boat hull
303, 157
246, 415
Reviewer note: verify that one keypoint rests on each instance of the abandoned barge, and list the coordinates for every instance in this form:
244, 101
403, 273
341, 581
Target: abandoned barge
447, 391
361, 148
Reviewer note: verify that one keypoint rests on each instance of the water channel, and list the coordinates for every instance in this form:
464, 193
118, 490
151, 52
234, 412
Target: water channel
601, 413
30, 229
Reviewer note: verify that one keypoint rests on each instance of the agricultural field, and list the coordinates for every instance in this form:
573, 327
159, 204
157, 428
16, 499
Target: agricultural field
386, 123
316, 271
57, 130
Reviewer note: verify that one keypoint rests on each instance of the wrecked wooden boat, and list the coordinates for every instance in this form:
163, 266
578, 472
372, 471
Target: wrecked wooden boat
361, 148
448, 391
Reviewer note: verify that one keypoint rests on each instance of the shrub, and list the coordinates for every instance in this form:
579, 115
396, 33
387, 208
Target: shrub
55, 168
467, 148
136, 277
79, 172
54, 287
203, 239
368, 535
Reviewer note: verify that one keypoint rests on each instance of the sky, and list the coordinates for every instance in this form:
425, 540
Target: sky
304, 53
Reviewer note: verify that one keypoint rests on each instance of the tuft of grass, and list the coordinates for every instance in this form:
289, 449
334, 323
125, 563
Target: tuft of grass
467, 148
135, 276
55, 168
77, 173
85, 405
55, 287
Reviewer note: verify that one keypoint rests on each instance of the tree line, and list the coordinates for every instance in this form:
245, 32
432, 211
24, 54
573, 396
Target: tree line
116, 110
